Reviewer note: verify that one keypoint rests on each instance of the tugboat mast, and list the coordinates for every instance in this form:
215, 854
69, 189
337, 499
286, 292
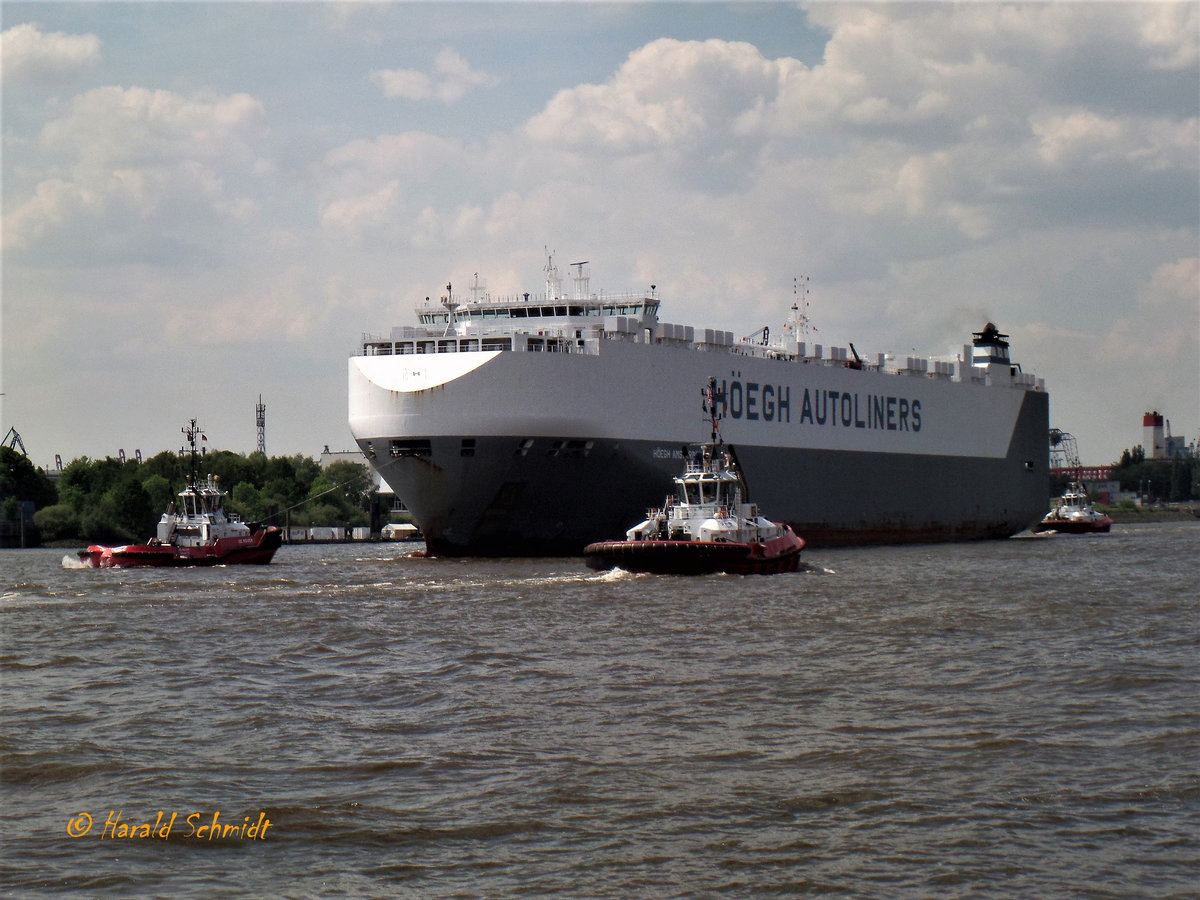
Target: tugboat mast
192, 431
710, 407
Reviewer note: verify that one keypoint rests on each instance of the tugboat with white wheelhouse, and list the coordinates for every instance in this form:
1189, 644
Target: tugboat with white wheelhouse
1073, 512
707, 526
197, 532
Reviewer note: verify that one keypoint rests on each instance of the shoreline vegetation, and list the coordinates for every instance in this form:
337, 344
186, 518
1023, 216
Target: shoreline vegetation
111, 501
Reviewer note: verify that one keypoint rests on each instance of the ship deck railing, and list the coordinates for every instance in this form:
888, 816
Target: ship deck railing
564, 339
592, 301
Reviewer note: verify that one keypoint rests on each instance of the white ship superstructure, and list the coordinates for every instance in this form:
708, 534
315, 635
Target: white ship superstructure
494, 420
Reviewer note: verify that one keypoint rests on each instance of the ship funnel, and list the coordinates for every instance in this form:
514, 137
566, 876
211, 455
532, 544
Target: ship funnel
990, 347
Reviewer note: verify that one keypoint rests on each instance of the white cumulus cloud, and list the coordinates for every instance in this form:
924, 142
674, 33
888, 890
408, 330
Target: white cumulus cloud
930, 165
668, 92
451, 78
114, 124
116, 157
31, 55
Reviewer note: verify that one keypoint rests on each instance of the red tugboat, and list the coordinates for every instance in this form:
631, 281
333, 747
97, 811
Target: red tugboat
1073, 513
196, 533
708, 526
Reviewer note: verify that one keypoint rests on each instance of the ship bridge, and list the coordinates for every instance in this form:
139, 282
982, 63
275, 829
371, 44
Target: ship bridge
583, 322
990, 347
636, 306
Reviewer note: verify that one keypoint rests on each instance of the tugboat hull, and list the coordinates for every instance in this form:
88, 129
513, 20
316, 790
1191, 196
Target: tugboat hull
257, 549
1099, 525
697, 557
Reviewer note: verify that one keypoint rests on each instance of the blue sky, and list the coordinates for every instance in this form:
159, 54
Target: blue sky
205, 202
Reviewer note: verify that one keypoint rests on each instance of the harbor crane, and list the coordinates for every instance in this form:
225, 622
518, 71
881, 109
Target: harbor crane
13, 440
1064, 453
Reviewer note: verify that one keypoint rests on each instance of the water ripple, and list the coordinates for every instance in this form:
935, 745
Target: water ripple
997, 719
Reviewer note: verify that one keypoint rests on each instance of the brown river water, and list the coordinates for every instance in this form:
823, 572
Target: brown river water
1007, 719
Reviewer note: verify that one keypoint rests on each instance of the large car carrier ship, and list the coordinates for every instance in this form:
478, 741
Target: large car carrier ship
534, 425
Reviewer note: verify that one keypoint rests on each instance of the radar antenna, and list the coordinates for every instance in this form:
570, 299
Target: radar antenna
710, 408
581, 279
478, 291
553, 282
193, 433
798, 322
449, 303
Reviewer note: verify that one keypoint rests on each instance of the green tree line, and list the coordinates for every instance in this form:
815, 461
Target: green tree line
1174, 480
106, 500
1162, 480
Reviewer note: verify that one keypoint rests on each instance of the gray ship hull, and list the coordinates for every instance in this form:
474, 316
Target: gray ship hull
514, 497
528, 452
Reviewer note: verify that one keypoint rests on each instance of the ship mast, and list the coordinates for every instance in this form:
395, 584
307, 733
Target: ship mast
710, 407
798, 321
448, 302
478, 291
581, 279
553, 282
192, 432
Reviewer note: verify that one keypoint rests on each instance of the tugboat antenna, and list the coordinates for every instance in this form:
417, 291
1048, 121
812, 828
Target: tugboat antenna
710, 407
192, 431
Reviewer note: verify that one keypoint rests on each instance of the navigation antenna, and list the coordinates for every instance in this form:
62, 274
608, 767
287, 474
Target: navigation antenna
478, 291
553, 282
192, 432
581, 279
710, 407
448, 302
798, 321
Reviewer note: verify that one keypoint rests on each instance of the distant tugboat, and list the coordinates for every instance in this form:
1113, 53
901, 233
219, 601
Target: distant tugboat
1073, 513
196, 533
707, 526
